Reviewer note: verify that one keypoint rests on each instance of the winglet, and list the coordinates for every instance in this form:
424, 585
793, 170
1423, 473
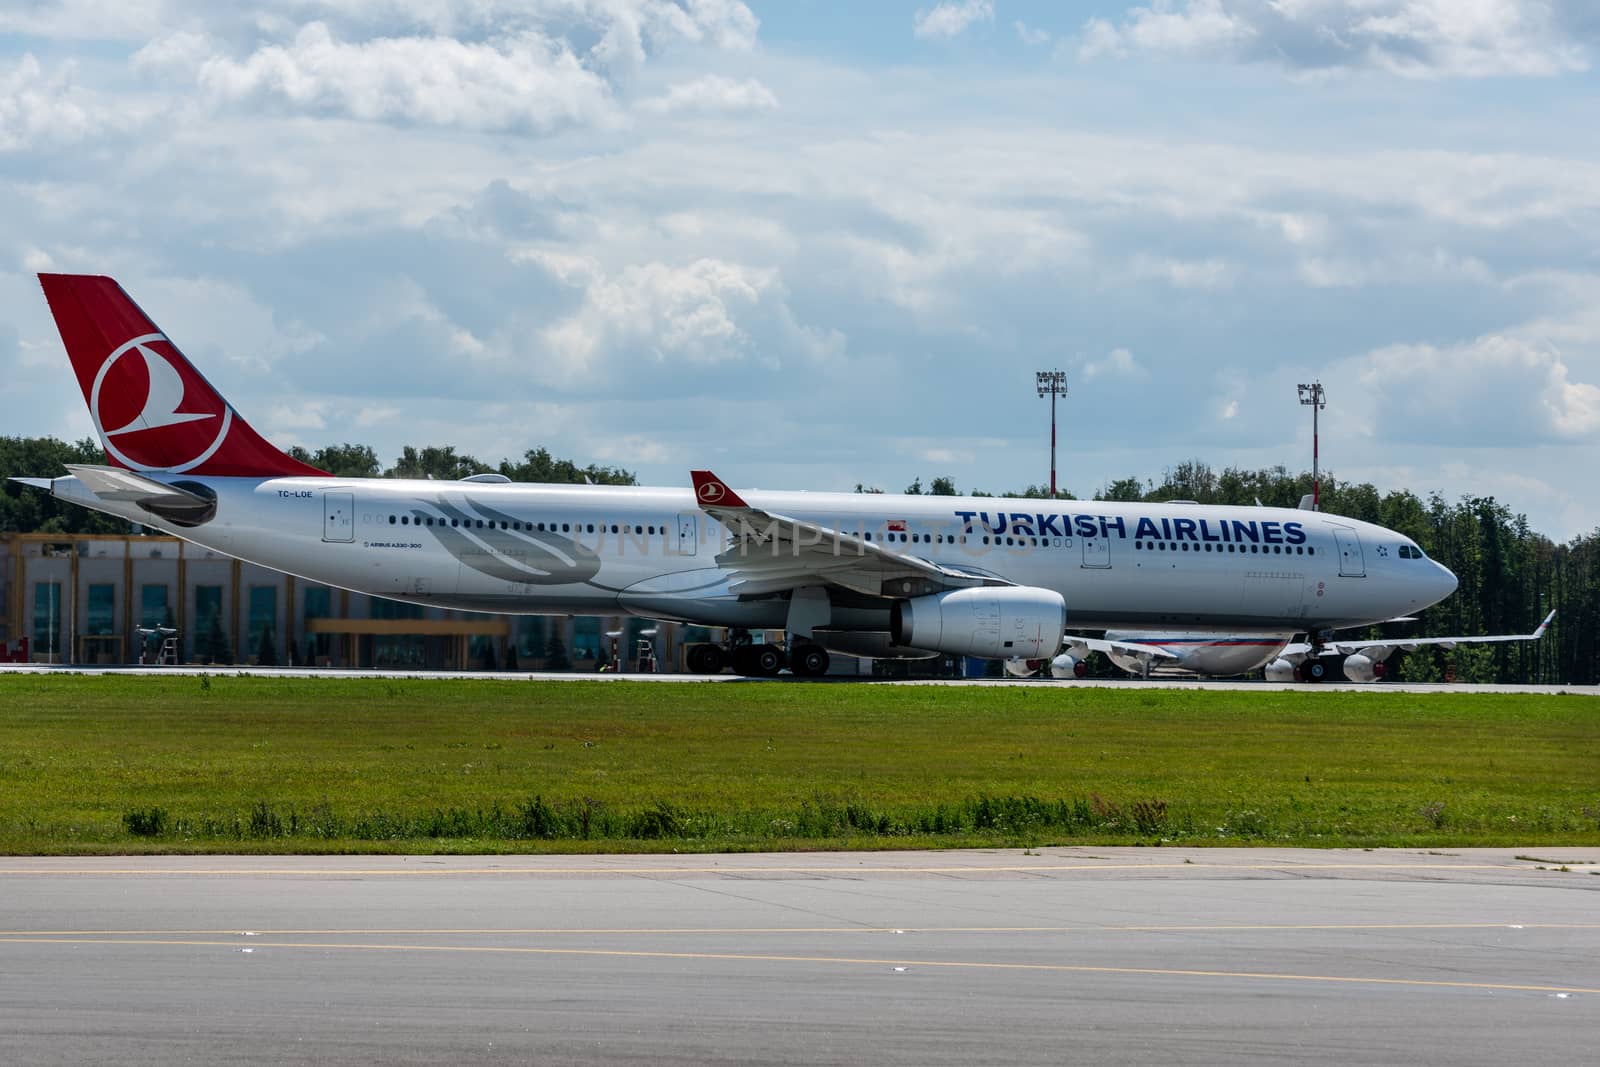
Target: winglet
711, 491
1547, 620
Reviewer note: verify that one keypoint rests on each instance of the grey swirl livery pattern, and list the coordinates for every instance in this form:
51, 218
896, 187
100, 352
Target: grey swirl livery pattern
536, 557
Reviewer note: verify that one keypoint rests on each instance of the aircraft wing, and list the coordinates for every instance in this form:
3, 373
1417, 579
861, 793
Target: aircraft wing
1135, 649
770, 553
1349, 648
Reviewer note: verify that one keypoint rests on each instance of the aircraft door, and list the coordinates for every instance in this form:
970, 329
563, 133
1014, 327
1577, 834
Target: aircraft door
1351, 562
687, 534
338, 516
1096, 552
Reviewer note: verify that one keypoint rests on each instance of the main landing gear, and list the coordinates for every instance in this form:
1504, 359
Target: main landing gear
805, 658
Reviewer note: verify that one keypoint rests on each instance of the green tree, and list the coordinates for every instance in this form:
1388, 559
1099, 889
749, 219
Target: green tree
555, 654
341, 461
538, 465
439, 462
942, 487
266, 648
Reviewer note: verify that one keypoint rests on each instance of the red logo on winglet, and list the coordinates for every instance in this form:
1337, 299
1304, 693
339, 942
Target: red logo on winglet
710, 490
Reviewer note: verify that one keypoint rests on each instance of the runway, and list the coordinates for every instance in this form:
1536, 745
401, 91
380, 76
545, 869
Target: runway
1065, 955
1078, 683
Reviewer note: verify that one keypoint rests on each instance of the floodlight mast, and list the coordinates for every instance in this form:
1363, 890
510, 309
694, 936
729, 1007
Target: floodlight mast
1052, 383
1313, 397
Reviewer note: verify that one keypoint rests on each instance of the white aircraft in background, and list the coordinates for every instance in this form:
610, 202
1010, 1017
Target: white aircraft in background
1283, 658
866, 574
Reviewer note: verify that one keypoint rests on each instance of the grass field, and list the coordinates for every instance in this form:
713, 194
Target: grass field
235, 764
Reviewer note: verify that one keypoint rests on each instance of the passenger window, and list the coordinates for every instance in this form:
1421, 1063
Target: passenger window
391, 520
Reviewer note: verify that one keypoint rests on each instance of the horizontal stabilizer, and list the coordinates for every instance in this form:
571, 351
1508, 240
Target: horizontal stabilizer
46, 484
177, 504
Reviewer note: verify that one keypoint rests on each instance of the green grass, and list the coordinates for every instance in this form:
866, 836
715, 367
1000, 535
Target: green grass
106, 764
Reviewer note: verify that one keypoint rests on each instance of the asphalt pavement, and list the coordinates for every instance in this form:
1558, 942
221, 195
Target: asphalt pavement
1103, 955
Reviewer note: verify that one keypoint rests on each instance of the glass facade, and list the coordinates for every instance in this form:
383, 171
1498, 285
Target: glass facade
209, 635
317, 603
153, 608
102, 616
47, 617
264, 623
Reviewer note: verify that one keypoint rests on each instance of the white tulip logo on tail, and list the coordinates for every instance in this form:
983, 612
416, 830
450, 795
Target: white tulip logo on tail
151, 431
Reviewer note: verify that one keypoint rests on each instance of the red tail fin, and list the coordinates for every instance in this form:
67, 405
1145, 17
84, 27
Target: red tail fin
152, 409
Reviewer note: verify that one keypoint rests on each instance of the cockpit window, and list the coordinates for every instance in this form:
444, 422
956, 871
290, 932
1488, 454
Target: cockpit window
1411, 552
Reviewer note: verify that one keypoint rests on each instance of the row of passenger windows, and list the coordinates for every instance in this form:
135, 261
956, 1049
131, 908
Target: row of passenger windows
899, 538
501, 524
1265, 550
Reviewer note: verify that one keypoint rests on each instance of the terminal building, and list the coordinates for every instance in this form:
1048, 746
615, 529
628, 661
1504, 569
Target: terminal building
84, 599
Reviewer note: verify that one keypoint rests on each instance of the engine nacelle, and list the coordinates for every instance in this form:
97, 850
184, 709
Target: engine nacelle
1280, 670
1359, 668
1068, 666
1023, 668
993, 622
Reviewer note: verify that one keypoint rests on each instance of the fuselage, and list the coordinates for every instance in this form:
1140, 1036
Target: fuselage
562, 549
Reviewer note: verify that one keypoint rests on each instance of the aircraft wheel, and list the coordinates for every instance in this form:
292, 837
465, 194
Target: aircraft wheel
767, 660
706, 659
1314, 670
809, 661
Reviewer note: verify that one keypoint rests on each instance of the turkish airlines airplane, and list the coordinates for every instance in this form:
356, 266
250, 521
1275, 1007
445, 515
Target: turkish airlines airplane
1227, 655
866, 574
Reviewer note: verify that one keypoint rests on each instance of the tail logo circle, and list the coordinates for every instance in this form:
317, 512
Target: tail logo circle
135, 405
711, 492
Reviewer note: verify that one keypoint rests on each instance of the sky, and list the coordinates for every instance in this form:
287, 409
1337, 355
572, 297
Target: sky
815, 244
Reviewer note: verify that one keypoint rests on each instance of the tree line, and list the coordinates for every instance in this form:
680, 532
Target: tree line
1510, 574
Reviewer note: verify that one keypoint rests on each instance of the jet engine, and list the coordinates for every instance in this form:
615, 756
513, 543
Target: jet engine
995, 622
1280, 670
1023, 668
1359, 668
1068, 666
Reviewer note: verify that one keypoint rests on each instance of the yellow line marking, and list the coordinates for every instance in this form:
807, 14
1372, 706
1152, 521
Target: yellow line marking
436, 872
444, 931
1057, 968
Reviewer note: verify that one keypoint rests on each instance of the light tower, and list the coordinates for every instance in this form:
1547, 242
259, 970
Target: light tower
1052, 383
1312, 396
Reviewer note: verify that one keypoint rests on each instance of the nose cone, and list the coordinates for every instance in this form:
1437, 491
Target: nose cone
1443, 582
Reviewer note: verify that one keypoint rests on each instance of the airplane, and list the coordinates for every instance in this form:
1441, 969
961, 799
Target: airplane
1281, 657
863, 574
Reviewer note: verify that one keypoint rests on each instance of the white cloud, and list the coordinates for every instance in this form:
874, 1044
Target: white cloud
713, 94
1230, 410
1200, 26
1030, 35
622, 31
38, 109
526, 82
1409, 38
1118, 363
94, 20
664, 312
1498, 389
951, 18
1185, 273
